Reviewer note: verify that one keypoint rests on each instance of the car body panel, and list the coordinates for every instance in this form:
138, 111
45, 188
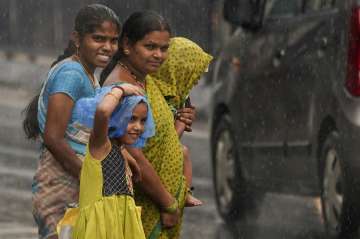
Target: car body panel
281, 85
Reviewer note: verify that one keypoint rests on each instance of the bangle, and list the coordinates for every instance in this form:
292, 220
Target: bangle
120, 88
172, 208
190, 190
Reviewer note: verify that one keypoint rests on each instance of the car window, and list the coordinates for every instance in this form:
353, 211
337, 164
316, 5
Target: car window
318, 5
279, 8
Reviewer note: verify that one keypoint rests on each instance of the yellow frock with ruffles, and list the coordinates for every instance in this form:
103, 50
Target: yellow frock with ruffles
164, 150
104, 217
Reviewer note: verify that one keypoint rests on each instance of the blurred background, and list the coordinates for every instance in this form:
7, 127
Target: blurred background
43, 26
34, 32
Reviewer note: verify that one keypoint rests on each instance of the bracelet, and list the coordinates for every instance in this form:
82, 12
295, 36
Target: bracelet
190, 190
172, 208
120, 88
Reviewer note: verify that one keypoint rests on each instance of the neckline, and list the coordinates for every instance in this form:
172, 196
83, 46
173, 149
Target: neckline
140, 83
90, 75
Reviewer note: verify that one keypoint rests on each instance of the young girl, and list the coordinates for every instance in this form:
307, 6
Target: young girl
107, 207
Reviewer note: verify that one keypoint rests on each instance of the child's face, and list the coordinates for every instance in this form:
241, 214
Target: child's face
136, 125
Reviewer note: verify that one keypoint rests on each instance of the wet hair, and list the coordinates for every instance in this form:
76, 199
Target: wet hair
30, 123
135, 28
87, 20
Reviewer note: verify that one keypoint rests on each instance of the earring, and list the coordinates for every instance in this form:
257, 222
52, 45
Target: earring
126, 52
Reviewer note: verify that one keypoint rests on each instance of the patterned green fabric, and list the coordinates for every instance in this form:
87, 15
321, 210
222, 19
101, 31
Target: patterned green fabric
166, 90
181, 71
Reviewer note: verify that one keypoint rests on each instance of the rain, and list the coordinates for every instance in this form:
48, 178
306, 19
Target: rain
275, 143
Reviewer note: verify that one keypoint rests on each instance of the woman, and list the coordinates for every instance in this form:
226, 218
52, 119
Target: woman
176, 77
143, 48
56, 184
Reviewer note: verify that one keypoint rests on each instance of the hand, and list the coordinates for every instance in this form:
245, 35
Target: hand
129, 89
169, 220
187, 116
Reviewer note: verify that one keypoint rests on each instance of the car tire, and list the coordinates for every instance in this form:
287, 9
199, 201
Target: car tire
338, 198
233, 198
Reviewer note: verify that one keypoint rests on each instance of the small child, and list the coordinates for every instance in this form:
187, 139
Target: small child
180, 127
106, 206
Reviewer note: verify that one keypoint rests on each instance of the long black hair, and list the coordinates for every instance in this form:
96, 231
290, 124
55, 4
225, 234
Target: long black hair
87, 20
135, 28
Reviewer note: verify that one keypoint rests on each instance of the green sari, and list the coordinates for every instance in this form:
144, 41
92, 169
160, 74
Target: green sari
174, 80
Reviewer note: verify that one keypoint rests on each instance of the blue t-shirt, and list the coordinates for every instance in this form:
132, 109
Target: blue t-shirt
67, 77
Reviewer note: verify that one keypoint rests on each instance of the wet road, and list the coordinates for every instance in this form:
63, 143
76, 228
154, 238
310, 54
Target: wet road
277, 217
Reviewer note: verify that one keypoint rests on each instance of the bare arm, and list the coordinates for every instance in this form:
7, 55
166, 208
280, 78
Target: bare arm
58, 115
180, 127
153, 187
151, 182
99, 143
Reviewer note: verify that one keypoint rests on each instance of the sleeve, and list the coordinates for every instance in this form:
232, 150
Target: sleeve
68, 81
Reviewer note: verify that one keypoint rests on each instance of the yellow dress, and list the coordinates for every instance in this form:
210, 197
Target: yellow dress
164, 150
106, 217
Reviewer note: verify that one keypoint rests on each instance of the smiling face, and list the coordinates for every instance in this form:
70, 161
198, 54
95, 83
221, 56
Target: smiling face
97, 48
146, 55
136, 125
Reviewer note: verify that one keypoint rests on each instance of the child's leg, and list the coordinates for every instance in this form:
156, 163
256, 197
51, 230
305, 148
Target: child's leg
187, 166
190, 200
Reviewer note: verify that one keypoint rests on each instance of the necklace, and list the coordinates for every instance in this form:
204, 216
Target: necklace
87, 71
140, 83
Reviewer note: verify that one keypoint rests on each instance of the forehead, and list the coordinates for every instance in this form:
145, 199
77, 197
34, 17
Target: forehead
157, 37
107, 28
140, 109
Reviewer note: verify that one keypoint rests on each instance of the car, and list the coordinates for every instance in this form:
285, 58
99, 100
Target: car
285, 107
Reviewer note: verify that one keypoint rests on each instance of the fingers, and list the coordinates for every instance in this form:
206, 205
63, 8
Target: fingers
186, 120
169, 220
188, 113
187, 116
188, 128
189, 110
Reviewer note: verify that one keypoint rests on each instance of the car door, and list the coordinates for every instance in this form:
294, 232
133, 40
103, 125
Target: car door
310, 45
260, 94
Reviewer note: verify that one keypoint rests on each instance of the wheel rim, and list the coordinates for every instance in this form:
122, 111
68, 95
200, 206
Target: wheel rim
225, 170
332, 189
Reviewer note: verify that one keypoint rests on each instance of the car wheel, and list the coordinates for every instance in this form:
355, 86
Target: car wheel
228, 182
338, 205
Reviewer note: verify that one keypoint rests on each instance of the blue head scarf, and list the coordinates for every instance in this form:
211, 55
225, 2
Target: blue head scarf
84, 112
